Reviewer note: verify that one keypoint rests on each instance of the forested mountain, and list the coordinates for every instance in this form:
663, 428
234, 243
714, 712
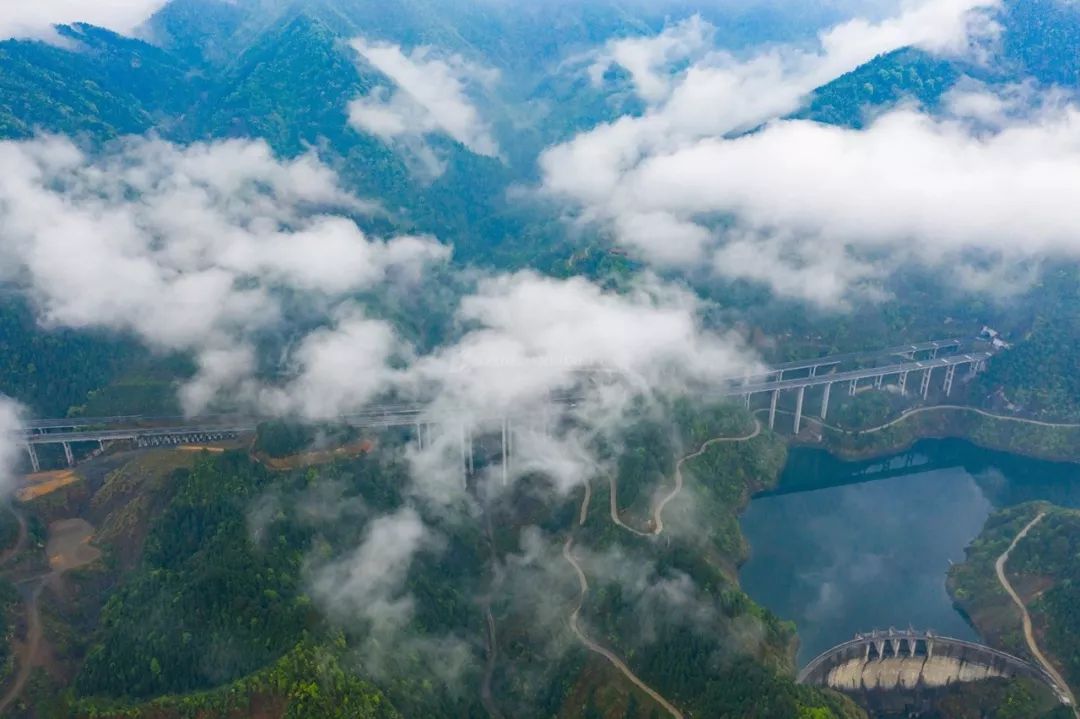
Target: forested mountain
216, 612
907, 75
318, 570
107, 87
1038, 41
283, 72
1048, 560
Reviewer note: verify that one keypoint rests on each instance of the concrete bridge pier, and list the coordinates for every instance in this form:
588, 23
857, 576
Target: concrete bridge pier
746, 400
949, 374
903, 384
825, 402
925, 389
68, 455
470, 464
772, 408
798, 408
34, 462
463, 445
878, 380
853, 387
419, 436
507, 448
510, 439
550, 423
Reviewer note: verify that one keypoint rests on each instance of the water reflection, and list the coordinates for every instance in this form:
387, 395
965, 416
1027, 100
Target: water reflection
844, 547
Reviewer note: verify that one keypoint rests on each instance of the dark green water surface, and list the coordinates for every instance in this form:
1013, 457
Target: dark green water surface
842, 547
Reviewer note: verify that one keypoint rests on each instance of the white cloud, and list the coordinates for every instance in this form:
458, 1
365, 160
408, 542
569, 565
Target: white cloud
368, 583
660, 181
997, 107
21, 19
221, 369
10, 452
431, 95
909, 185
795, 266
185, 247
534, 335
908, 177
947, 27
523, 337
650, 60
531, 338
341, 368
190, 249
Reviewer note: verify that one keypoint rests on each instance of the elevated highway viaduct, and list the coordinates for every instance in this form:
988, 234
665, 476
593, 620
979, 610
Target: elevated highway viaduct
899, 362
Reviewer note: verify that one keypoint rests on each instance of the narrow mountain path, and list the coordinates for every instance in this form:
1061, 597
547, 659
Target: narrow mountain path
491, 636
1029, 634
962, 408
919, 410
25, 659
69, 554
658, 509
657, 529
613, 659
936, 408
486, 697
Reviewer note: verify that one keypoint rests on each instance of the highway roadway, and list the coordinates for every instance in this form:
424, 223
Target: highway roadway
151, 429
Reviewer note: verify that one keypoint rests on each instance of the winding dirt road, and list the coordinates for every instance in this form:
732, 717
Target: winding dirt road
33, 644
946, 407
657, 529
919, 410
486, 697
67, 548
658, 510
583, 583
1029, 634
33, 616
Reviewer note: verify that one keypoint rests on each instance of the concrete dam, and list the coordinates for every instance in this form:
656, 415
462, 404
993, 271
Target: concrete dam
907, 662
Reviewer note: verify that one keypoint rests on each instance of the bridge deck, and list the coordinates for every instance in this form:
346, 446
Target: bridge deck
405, 414
870, 354
884, 371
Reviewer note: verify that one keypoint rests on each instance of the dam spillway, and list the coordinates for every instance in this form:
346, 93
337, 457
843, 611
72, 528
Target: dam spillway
907, 661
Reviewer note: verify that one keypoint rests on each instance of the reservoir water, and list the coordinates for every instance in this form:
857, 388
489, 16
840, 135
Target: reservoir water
843, 547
